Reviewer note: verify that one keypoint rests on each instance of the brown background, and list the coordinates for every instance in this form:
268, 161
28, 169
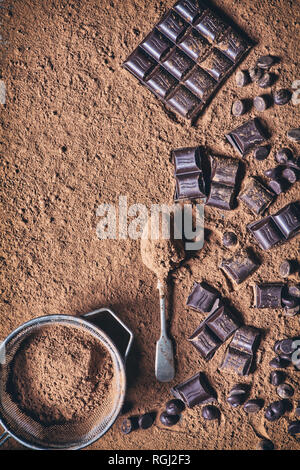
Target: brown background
77, 132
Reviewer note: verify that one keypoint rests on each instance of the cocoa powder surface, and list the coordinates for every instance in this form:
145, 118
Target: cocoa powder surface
79, 131
60, 375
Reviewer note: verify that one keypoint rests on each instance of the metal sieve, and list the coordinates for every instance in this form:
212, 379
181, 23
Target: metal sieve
102, 324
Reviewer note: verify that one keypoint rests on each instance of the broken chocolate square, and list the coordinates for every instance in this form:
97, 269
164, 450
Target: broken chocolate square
195, 391
256, 196
266, 232
239, 267
268, 295
202, 297
237, 361
222, 323
188, 173
247, 136
204, 341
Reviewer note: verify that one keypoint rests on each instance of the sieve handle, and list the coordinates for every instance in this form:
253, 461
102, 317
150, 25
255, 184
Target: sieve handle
4, 437
111, 324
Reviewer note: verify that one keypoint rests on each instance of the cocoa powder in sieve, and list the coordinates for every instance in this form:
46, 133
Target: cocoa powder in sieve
60, 374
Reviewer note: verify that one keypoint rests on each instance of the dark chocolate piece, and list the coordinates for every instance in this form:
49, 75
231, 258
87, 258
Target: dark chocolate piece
277, 186
256, 196
268, 295
255, 73
262, 152
245, 339
202, 297
129, 424
266, 80
238, 108
286, 268
266, 232
242, 78
194, 391
205, 341
237, 361
239, 355
288, 220
221, 196
229, 239
192, 43
146, 420
247, 136
239, 267
168, 420
254, 405
261, 103
265, 62
188, 173
224, 170
210, 412
282, 97
174, 407
221, 323
283, 155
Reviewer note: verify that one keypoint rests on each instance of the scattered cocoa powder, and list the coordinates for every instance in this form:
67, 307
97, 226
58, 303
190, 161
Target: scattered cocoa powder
60, 374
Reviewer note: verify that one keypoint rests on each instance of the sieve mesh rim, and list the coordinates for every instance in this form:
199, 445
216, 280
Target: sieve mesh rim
99, 335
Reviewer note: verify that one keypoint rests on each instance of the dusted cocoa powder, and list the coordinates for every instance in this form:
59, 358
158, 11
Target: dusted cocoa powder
60, 374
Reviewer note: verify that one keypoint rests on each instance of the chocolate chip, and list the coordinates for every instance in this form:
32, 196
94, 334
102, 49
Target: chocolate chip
210, 412
277, 377
168, 420
242, 78
290, 175
236, 400
262, 152
278, 363
261, 103
266, 80
286, 346
294, 134
129, 424
265, 62
237, 395
229, 239
294, 428
283, 155
255, 73
239, 389
238, 108
282, 97
174, 407
285, 269
265, 444
253, 406
285, 391
146, 420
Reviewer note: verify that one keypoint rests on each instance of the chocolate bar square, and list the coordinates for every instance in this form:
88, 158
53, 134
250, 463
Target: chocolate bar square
256, 196
232, 45
177, 63
224, 170
268, 295
161, 82
200, 83
239, 354
156, 44
173, 26
183, 101
220, 196
211, 26
190, 9
237, 361
189, 186
205, 341
194, 45
140, 63
247, 136
222, 323
245, 339
216, 64
288, 220
195, 391
239, 267
266, 232
202, 297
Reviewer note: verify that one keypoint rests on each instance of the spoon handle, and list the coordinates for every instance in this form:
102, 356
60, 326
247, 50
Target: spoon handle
161, 285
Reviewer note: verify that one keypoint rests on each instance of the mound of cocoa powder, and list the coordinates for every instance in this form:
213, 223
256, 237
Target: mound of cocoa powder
60, 374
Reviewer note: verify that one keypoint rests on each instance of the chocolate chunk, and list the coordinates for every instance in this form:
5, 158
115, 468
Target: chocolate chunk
266, 80
279, 363
247, 136
173, 26
188, 173
235, 400
202, 297
168, 420
146, 420
210, 412
277, 377
261, 103
239, 389
221, 323
229, 239
255, 73
224, 170
285, 268
194, 391
294, 428
283, 155
266, 232
204, 340
238, 108
186, 56
290, 174
221, 196
294, 135
287, 346
256, 196
265, 62
246, 339
242, 78
262, 152
239, 354
268, 295
129, 424
285, 391
200, 83
254, 405
265, 444
288, 220
156, 44
282, 97
189, 186
174, 407
277, 186
239, 267
273, 172
211, 26
237, 362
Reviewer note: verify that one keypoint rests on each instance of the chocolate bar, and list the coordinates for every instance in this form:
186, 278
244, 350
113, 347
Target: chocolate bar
223, 180
190, 183
240, 353
195, 391
213, 331
277, 228
247, 136
239, 267
187, 56
202, 298
268, 295
256, 196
